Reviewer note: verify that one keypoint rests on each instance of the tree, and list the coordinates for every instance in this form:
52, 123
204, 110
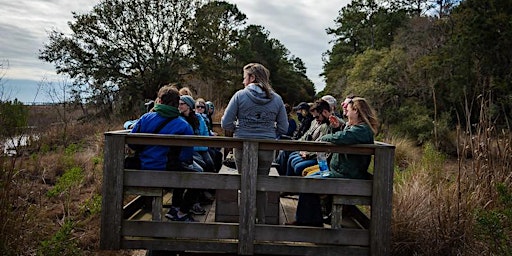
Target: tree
361, 25
213, 38
287, 76
124, 50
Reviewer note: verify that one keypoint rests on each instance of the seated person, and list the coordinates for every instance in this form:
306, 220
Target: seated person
171, 158
360, 129
299, 160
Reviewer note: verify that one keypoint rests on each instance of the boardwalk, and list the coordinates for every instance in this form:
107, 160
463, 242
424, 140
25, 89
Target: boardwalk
235, 227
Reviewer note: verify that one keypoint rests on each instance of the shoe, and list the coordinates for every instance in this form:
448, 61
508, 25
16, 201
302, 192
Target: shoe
172, 213
184, 218
197, 209
292, 223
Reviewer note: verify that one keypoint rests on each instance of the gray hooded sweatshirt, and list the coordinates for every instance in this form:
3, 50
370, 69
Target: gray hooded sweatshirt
250, 114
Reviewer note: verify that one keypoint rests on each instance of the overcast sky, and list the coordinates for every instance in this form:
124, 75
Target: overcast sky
298, 24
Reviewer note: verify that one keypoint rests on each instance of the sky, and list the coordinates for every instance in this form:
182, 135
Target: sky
298, 24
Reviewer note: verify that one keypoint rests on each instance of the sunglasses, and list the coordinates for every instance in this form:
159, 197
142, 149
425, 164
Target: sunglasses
200, 107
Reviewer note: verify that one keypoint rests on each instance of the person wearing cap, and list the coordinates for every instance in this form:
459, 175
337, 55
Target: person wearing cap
305, 119
201, 155
256, 111
334, 104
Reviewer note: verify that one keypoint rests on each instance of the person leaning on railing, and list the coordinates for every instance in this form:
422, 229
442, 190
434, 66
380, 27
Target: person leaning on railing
360, 129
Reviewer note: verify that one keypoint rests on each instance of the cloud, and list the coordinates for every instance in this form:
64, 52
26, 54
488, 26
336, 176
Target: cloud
298, 24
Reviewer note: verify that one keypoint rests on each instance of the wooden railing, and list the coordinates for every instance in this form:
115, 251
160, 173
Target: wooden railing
245, 237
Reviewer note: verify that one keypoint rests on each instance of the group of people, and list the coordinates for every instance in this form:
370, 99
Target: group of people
257, 112
177, 112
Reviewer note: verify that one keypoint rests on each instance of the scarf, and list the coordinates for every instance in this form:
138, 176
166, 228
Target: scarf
166, 110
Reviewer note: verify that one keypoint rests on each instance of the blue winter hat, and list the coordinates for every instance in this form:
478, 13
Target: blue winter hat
188, 100
210, 105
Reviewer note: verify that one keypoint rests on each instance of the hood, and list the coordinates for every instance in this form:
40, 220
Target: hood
257, 95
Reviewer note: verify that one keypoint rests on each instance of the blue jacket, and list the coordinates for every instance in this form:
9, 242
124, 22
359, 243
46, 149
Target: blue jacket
156, 157
202, 131
250, 114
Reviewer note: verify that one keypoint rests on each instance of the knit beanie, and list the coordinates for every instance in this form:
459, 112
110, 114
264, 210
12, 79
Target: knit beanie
189, 101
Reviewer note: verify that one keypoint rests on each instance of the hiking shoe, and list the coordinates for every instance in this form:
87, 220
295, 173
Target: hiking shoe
172, 213
184, 218
197, 209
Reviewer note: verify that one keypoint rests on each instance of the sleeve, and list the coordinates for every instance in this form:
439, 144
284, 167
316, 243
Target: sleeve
282, 119
230, 113
186, 154
350, 135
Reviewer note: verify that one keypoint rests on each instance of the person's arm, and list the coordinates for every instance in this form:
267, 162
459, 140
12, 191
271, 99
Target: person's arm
282, 120
227, 121
351, 135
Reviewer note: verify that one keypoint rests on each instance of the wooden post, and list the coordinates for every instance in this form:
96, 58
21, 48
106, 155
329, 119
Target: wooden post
382, 200
248, 175
112, 192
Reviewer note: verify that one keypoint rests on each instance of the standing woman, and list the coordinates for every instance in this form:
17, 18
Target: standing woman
256, 112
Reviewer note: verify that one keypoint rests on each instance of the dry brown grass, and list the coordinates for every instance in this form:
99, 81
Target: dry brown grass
436, 199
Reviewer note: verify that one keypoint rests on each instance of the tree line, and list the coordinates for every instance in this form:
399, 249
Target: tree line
122, 51
427, 66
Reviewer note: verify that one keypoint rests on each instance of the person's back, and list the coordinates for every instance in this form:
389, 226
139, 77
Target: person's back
155, 157
255, 111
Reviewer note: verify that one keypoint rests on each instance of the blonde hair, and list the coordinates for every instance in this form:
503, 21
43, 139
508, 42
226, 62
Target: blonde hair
186, 91
261, 77
366, 112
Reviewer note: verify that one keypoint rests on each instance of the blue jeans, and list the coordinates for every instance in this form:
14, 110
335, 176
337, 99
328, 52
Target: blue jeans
296, 164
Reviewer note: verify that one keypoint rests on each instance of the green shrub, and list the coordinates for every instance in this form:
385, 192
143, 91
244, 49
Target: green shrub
68, 180
495, 226
61, 243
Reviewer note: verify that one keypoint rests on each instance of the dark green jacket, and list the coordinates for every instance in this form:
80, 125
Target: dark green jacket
349, 165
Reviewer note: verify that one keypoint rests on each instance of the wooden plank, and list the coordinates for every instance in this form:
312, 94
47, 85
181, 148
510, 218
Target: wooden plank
380, 228
308, 249
248, 198
334, 186
181, 245
167, 179
352, 200
182, 230
133, 207
112, 192
344, 236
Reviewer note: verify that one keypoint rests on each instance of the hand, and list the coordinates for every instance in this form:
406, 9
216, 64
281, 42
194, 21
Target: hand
335, 122
303, 154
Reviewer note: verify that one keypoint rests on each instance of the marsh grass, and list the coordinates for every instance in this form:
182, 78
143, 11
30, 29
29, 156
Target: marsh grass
446, 206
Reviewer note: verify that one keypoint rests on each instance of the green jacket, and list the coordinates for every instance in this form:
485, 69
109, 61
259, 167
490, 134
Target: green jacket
349, 165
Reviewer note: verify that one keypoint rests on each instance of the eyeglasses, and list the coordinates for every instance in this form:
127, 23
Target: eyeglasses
345, 104
200, 107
